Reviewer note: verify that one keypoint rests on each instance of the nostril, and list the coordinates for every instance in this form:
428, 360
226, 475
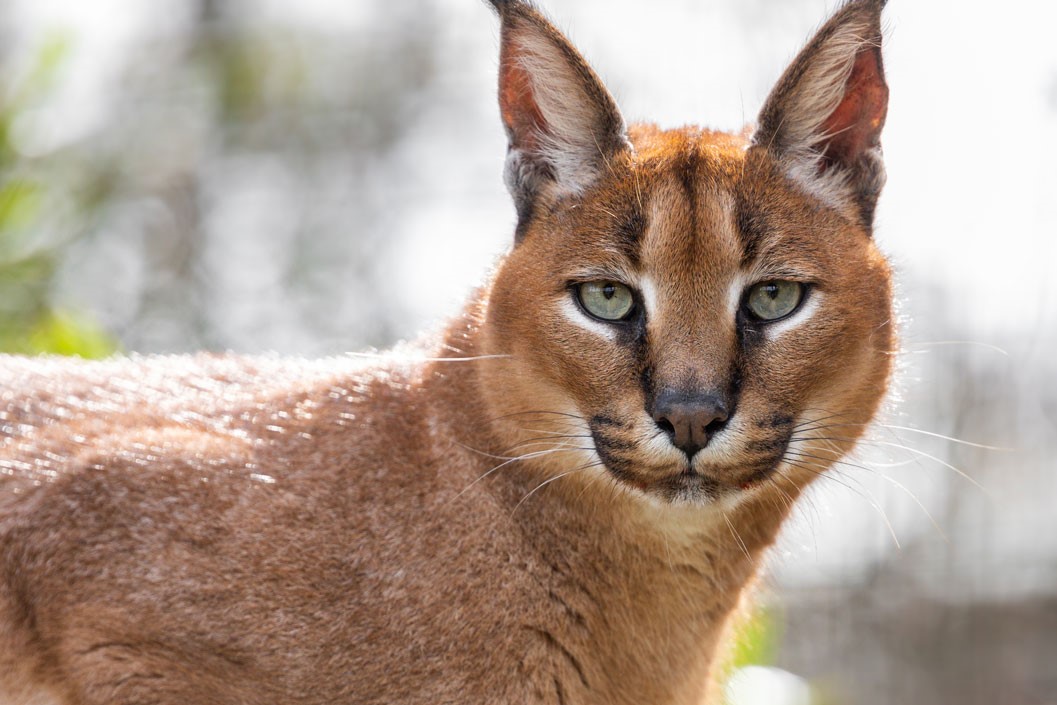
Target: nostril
715, 425
666, 426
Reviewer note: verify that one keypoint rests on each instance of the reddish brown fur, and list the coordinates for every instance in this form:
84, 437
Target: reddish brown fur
420, 529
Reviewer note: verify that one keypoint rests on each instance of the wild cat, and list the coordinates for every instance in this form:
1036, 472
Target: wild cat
559, 500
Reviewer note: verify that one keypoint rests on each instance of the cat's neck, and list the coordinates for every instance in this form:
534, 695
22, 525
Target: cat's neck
655, 586
648, 586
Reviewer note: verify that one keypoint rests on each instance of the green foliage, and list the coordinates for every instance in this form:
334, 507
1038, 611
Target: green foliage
33, 229
756, 640
752, 639
20, 201
60, 333
63, 333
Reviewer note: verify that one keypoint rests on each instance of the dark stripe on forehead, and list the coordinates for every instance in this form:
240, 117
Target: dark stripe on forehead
752, 227
687, 172
630, 230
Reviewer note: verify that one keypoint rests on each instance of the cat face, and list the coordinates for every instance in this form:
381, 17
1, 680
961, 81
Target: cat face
693, 227
685, 311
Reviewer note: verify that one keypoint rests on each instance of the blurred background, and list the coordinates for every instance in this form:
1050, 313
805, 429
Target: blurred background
322, 176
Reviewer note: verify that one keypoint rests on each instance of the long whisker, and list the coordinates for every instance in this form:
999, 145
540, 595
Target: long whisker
539, 412
873, 503
827, 425
921, 453
591, 483
386, 356
737, 537
803, 427
508, 461
944, 463
805, 502
936, 343
486, 454
521, 444
789, 502
546, 443
556, 434
806, 422
836, 461
947, 438
549, 480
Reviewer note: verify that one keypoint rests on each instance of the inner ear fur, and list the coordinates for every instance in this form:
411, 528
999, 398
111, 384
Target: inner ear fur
823, 119
563, 126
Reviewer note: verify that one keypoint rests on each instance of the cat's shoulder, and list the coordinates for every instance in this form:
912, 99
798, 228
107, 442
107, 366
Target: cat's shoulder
57, 412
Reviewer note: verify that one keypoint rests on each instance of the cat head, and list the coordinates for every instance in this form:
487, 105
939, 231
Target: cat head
684, 311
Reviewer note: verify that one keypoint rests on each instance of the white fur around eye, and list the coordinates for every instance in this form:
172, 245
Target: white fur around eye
797, 318
649, 296
577, 317
735, 293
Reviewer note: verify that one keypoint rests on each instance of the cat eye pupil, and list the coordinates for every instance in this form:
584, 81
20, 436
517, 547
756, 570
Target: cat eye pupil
772, 300
606, 300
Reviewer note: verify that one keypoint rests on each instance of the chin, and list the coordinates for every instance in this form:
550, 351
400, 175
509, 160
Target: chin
687, 488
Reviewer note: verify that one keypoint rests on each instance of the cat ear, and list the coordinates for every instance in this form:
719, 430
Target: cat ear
562, 124
823, 120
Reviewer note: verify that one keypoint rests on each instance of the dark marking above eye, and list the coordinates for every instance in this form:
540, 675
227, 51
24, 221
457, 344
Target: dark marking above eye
629, 232
751, 228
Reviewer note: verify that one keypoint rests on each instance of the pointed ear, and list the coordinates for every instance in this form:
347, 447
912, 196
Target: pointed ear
563, 126
823, 120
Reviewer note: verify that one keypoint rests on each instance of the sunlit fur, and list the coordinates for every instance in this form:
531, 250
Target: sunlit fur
493, 516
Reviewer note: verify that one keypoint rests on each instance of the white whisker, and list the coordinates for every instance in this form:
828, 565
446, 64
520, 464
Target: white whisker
737, 537
549, 480
508, 461
976, 343
946, 438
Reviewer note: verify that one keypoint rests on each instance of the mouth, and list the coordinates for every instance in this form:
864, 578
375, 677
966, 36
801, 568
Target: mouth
683, 484
686, 486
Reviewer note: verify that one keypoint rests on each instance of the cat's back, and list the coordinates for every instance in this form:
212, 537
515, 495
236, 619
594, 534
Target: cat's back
213, 496
59, 415
154, 452
228, 434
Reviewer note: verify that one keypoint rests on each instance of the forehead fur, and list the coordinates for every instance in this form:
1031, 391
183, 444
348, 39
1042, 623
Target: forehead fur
694, 199
659, 148
716, 166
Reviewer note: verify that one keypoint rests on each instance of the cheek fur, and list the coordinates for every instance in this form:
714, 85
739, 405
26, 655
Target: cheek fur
575, 317
799, 318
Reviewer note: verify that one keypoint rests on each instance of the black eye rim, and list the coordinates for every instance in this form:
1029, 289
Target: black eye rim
636, 306
805, 291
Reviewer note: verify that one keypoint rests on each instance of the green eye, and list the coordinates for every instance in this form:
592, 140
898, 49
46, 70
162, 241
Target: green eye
609, 301
772, 300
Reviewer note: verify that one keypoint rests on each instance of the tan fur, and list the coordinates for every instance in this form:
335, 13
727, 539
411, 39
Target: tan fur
437, 525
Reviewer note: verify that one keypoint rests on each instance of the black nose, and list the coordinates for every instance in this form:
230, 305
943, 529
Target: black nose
690, 420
